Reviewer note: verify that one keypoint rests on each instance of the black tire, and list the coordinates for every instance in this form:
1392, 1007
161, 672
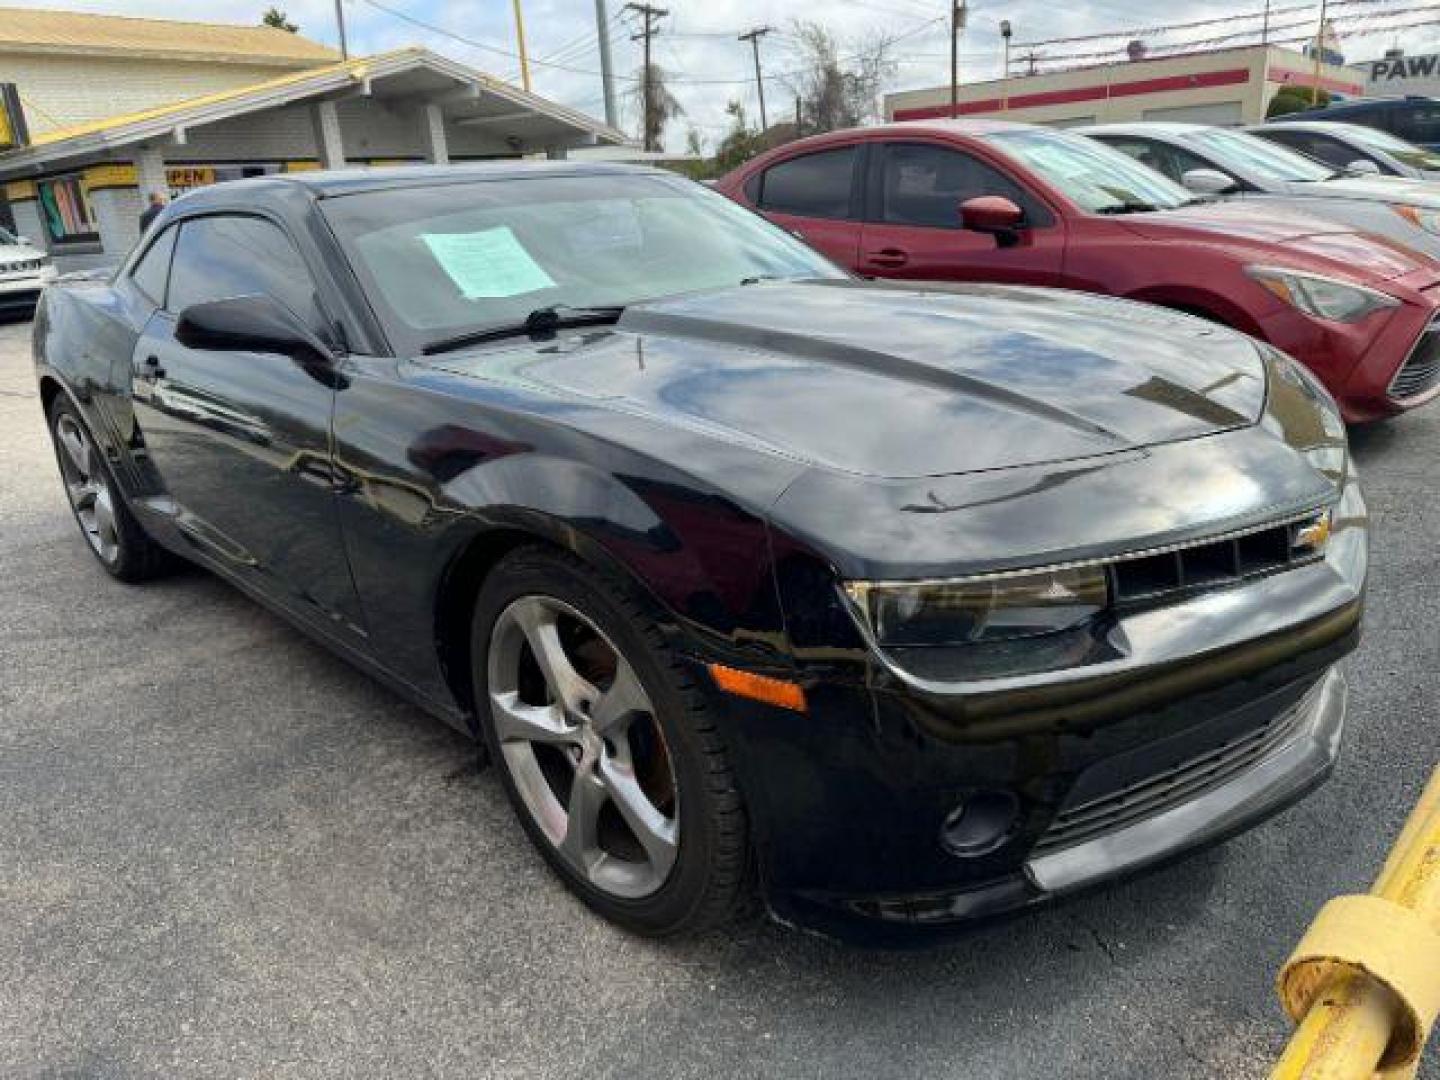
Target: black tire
127, 552
709, 881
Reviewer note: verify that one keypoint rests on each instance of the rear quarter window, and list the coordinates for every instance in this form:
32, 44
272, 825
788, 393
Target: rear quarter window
818, 185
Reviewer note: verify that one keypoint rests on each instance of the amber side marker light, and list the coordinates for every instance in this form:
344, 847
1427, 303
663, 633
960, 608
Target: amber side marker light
784, 695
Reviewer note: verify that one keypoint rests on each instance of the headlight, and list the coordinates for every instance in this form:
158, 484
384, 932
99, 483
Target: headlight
1320, 296
1427, 219
990, 607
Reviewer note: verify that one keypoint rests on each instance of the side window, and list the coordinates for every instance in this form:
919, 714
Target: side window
1147, 153
225, 256
153, 270
1417, 123
815, 185
924, 185
1170, 161
1327, 149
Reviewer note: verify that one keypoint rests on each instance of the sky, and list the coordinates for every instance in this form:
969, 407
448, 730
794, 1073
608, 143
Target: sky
697, 44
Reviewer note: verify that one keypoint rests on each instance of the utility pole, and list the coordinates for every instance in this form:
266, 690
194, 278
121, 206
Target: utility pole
1265, 26
520, 47
754, 37
650, 16
607, 73
957, 23
340, 22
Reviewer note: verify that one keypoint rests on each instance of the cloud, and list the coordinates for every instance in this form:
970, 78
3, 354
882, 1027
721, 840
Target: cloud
698, 44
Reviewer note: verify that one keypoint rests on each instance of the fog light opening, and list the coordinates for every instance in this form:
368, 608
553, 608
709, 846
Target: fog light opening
980, 824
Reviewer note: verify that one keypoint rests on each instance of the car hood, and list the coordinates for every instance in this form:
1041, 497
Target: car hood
1259, 228
894, 382
1390, 189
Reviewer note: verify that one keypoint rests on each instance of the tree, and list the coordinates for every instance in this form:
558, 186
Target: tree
835, 91
1293, 98
740, 143
278, 19
663, 105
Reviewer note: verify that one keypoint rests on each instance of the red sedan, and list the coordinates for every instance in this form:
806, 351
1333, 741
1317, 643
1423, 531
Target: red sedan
982, 200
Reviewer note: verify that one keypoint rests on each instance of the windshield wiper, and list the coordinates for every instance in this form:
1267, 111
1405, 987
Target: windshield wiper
543, 320
1129, 206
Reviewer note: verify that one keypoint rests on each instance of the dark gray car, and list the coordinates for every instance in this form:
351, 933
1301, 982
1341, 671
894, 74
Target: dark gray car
1353, 147
1225, 162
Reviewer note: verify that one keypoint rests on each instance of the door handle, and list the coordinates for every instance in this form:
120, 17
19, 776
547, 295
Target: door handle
153, 368
887, 257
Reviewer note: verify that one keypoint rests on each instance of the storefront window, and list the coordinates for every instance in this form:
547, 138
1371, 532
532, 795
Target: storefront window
65, 210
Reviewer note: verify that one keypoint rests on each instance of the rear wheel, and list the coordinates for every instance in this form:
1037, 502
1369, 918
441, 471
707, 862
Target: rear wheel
113, 534
610, 757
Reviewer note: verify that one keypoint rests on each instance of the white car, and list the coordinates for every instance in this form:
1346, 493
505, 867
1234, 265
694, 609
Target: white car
25, 270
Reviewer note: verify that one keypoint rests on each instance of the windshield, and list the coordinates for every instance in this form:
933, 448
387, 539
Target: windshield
1256, 158
447, 260
1095, 177
1416, 156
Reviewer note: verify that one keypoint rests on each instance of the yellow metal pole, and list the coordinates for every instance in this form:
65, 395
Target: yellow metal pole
1353, 1017
1319, 53
520, 46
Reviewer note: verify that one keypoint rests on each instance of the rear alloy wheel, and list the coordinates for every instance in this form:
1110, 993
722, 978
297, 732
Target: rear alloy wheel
607, 752
88, 488
117, 539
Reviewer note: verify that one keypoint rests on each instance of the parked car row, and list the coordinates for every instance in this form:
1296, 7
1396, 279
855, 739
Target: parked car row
902, 602
1352, 291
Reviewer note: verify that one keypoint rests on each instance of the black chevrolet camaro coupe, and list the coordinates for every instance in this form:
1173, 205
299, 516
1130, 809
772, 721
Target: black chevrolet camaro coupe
900, 606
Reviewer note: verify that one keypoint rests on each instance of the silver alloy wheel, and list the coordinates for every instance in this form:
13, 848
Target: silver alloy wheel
590, 764
88, 488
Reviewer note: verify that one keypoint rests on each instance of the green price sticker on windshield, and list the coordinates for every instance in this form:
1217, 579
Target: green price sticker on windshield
487, 265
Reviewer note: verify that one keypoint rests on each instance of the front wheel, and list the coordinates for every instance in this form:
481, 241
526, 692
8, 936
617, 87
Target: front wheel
609, 755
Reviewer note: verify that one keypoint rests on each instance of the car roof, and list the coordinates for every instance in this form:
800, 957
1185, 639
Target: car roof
328, 183
1144, 127
1324, 127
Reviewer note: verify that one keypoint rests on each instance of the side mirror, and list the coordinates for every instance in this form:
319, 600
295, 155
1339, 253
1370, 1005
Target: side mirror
993, 214
1363, 167
1207, 182
249, 324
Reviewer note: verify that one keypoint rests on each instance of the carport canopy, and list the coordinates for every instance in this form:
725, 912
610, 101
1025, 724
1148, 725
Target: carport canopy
404, 105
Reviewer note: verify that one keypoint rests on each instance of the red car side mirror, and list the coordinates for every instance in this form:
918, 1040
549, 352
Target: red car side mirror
992, 214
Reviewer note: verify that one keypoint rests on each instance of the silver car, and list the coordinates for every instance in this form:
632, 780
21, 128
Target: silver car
25, 270
1235, 164
1353, 148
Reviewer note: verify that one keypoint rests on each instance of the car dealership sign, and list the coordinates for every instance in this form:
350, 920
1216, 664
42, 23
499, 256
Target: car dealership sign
1403, 75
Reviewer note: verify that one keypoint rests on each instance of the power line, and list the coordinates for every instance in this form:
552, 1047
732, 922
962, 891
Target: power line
1166, 28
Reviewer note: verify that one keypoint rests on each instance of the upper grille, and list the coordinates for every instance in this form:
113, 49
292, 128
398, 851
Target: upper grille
25, 267
1170, 787
1421, 370
1212, 563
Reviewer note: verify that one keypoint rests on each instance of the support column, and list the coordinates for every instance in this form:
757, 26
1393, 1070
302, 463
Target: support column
150, 173
437, 149
328, 146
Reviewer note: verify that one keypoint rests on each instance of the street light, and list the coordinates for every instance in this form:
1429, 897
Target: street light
1005, 32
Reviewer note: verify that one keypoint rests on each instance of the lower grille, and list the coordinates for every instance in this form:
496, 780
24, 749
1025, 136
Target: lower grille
1421, 370
1172, 786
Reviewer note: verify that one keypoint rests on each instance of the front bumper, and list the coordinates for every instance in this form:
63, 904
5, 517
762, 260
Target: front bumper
1359, 363
1230, 701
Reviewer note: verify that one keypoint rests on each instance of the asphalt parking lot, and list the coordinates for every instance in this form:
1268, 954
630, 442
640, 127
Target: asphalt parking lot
225, 853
